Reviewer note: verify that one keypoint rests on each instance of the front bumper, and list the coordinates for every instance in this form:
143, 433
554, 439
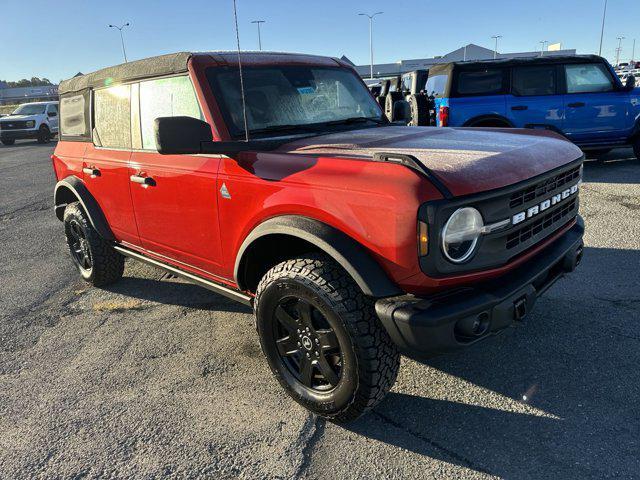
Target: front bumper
18, 134
425, 327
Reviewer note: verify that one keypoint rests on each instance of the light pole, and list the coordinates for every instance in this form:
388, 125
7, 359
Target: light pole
618, 50
495, 50
604, 15
542, 44
258, 22
124, 52
633, 52
371, 38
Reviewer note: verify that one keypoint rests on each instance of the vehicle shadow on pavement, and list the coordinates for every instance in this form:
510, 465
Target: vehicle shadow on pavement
619, 166
555, 397
175, 292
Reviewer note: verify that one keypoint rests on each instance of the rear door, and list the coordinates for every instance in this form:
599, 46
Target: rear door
106, 160
534, 101
595, 109
176, 209
53, 116
478, 93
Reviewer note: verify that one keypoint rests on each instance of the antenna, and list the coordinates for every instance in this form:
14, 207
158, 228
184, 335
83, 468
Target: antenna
244, 103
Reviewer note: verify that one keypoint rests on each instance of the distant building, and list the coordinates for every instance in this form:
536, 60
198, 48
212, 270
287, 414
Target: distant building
468, 52
10, 96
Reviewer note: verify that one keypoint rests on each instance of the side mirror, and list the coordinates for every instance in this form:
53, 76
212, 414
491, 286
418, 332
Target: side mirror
630, 84
187, 135
181, 135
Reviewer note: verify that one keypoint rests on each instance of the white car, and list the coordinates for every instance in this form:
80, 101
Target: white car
38, 120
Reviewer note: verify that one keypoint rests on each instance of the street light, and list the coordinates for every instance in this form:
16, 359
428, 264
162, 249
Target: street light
542, 44
371, 37
258, 22
124, 52
604, 14
495, 50
618, 50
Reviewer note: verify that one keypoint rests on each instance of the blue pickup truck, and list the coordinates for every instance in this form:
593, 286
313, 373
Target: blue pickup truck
579, 97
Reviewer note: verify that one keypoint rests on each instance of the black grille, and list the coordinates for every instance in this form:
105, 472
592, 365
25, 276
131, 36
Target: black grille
543, 226
13, 125
542, 188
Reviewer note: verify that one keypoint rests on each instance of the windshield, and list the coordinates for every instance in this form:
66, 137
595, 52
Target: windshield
29, 109
292, 98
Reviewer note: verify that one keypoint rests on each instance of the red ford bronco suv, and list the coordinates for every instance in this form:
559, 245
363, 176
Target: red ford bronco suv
279, 183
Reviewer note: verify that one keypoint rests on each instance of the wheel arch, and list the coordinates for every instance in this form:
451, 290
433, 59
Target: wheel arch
72, 189
277, 239
494, 117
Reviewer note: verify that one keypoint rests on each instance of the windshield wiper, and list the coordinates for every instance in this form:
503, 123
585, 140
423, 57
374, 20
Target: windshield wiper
348, 121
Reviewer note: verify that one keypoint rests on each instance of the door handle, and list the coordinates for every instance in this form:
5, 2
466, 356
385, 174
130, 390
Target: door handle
144, 181
519, 107
93, 171
576, 104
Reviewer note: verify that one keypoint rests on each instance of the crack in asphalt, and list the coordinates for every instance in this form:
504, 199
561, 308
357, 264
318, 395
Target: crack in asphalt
454, 455
311, 433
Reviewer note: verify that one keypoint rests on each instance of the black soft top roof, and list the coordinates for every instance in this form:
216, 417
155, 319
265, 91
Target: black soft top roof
508, 62
174, 63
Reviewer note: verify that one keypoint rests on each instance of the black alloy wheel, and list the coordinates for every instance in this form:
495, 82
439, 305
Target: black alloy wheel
79, 246
307, 344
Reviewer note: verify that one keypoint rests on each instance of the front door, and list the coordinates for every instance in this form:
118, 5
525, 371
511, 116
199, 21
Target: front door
174, 196
595, 109
534, 101
106, 161
53, 117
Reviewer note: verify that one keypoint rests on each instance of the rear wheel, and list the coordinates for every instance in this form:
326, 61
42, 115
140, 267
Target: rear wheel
44, 134
8, 141
95, 258
322, 338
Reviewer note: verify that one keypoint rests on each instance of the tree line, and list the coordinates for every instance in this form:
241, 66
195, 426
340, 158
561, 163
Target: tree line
34, 82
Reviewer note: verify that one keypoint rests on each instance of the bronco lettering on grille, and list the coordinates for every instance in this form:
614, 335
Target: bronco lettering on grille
544, 205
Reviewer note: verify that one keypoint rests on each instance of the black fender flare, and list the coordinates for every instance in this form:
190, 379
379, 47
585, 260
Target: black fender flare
364, 270
493, 116
74, 186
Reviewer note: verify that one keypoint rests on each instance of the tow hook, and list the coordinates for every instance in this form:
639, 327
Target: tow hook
520, 309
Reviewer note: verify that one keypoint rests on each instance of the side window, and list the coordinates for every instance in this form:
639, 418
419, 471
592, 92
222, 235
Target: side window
436, 85
165, 97
538, 80
480, 82
73, 120
588, 78
112, 114
52, 108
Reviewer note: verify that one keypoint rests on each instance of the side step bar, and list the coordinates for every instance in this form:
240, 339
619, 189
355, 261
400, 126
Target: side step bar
209, 285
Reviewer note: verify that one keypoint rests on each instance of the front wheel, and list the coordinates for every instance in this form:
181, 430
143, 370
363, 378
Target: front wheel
96, 260
322, 338
44, 134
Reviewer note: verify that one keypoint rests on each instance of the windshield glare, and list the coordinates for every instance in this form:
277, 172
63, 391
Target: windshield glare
29, 110
290, 96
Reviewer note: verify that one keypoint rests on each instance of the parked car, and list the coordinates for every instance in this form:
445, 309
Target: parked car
352, 238
579, 97
37, 120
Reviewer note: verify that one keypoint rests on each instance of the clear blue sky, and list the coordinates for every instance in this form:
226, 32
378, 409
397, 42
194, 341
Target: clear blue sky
56, 39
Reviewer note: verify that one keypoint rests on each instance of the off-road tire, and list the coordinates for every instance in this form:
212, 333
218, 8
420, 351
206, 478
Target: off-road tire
370, 359
44, 134
107, 265
8, 142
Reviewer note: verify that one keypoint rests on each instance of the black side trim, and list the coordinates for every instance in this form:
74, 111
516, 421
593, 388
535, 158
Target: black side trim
484, 118
369, 276
202, 282
78, 189
412, 162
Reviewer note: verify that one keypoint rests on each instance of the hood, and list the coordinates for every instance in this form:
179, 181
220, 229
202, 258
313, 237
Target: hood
465, 160
18, 117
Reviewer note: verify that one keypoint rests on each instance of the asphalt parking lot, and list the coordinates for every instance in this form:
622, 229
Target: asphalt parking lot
153, 377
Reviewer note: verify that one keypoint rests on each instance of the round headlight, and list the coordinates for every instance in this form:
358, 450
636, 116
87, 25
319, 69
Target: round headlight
460, 234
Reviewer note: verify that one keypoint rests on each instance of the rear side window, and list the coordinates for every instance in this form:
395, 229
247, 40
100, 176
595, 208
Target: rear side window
112, 113
436, 85
480, 82
52, 108
538, 80
73, 118
165, 97
588, 78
